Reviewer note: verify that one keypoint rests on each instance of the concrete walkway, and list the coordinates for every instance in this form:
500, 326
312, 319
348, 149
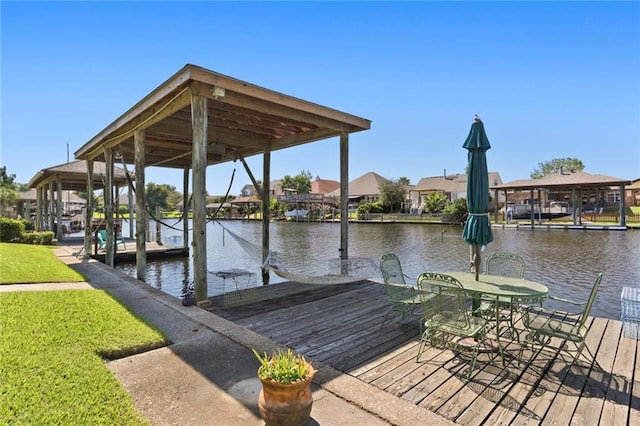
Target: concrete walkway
207, 376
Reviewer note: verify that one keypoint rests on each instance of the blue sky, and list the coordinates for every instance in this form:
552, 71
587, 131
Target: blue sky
549, 79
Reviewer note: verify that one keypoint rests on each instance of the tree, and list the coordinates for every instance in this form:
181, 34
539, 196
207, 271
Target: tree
5, 179
435, 203
161, 196
392, 194
300, 184
457, 210
174, 199
404, 180
566, 164
8, 188
366, 207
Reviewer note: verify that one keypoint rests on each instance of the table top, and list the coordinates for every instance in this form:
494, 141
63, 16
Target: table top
499, 285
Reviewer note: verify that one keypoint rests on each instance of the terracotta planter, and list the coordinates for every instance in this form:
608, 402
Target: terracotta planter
286, 404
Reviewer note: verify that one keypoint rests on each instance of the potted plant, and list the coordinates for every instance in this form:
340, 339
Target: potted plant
285, 398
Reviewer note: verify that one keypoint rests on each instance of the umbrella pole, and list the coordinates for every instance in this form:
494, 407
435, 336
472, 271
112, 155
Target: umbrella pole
476, 260
472, 262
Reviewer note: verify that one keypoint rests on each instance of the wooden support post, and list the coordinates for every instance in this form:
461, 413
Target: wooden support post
88, 216
539, 207
185, 207
506, 203
574, 211
43, 212
50, 208
59, 208
580, 207
266, 177
623, 208
117, 225
199, 194
130, 193
344, 195
38, 226
141, 208
109, 245
533, 213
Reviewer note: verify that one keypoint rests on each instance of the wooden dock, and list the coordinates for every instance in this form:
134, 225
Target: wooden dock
153, 250
340, 326
128, 254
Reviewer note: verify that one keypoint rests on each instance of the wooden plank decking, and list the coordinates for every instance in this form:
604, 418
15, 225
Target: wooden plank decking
340, 326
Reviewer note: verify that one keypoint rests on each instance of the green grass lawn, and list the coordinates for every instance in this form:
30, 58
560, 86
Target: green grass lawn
26, 263
52, 352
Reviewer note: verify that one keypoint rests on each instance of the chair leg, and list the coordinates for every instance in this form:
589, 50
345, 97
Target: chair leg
473, 362
424, 336
579, 349
523, 346
422, 344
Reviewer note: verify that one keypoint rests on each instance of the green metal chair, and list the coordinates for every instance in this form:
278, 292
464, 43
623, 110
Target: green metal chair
505, 264
102, 240
404, 298
555, 329
508, 265
447, 320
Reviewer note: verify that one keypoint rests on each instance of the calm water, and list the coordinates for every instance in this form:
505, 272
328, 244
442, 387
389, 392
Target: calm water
566, 261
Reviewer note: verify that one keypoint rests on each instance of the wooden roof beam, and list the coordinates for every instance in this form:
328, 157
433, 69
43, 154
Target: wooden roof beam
123, 127
300, 138
271, 97
272, 109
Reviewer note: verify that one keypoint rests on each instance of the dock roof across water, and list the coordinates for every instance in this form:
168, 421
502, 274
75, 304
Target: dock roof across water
564, 181
73, 176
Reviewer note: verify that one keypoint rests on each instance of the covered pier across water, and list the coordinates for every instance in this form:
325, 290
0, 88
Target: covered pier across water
574, 186
198, 118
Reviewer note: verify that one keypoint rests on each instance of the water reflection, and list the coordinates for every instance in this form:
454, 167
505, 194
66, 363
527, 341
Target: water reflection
567, 261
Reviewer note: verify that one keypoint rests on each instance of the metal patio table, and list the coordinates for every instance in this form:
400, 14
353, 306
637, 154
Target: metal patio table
514, 289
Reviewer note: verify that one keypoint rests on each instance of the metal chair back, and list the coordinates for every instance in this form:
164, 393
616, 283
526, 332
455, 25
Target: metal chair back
404, 298
396, 286
448, 306
505, 264
555, 328
391, 269
592, 297
447, 319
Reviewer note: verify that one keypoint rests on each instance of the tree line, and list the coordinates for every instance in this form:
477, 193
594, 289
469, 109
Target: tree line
392, 192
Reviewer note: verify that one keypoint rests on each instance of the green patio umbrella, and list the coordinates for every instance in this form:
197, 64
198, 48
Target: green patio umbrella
477, 228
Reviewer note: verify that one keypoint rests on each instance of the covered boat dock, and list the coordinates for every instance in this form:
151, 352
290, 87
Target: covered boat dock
199, 118
72, 176
574, 184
